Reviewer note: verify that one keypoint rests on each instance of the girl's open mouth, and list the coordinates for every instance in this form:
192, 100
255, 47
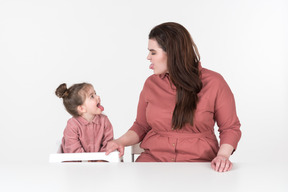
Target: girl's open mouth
100, 107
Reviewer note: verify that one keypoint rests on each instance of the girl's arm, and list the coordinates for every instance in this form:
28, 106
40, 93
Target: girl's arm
108, 134
71, 142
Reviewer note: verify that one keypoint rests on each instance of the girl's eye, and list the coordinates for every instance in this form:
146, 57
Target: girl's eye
153, 53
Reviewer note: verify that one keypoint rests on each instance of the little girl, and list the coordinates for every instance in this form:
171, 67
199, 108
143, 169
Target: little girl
88, 130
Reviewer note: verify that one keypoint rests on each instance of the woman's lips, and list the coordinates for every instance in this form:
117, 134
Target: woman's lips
151, 66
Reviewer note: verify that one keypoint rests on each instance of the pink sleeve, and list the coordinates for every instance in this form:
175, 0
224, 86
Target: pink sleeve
71, 141
108, 134
140, 125
226, 117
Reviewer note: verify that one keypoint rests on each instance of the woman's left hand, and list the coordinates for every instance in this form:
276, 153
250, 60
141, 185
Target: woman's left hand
221, 164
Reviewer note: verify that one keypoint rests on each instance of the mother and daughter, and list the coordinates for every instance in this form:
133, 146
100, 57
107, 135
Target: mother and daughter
177, 110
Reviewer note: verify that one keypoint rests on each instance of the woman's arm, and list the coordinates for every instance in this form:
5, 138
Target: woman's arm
138, 130
229, 126
129, 138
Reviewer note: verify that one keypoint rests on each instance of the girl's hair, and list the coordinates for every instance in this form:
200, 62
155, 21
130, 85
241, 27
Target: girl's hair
182, 63
73, 96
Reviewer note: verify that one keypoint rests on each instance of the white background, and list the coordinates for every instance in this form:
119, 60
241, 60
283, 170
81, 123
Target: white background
46, 43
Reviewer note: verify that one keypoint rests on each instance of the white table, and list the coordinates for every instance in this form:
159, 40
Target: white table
126, 177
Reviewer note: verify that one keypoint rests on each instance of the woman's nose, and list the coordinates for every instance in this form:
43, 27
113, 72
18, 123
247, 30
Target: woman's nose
148, 57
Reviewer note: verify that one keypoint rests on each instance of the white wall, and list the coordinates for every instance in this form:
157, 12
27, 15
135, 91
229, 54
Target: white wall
45, 43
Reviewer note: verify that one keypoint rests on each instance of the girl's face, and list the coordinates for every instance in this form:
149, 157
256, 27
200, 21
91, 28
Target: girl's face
92, 103
157, 57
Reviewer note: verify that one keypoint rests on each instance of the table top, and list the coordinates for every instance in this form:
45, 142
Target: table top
142, 177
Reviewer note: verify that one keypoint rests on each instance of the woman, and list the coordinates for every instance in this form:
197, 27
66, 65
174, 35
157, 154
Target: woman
180, 104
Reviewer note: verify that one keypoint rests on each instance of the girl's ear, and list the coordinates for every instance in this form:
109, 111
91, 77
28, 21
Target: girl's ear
81, 109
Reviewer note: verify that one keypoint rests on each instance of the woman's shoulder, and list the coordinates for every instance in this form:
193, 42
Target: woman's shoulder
154, 82
211, 76
152, 78
210, 73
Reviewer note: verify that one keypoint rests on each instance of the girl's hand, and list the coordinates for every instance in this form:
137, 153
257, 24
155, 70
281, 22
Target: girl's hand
114, 145
221, 164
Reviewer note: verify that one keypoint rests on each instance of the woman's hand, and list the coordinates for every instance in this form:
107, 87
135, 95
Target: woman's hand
114, 145
221, 164
129, 138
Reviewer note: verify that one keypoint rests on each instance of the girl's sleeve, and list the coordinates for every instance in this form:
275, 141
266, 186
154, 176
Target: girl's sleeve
108, 134
141, 126
71, 142
226, 117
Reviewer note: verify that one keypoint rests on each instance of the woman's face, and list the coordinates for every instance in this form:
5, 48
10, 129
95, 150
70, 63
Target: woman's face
157, 57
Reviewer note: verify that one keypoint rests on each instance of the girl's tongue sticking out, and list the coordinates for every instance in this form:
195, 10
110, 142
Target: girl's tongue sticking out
100, 106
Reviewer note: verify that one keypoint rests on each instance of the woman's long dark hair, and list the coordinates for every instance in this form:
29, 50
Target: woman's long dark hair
182, 62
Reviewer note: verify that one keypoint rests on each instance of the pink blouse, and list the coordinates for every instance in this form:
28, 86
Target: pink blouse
191, 143
83, 136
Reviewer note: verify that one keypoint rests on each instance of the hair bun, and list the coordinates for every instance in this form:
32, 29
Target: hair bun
62, 91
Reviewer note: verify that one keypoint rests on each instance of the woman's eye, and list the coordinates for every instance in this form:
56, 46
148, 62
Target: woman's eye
153, 53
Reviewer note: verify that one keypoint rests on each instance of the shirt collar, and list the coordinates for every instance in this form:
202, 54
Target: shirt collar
85, 122
162, 76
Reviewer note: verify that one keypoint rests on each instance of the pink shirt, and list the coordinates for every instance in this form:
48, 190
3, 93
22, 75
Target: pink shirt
83, 136
191, 143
